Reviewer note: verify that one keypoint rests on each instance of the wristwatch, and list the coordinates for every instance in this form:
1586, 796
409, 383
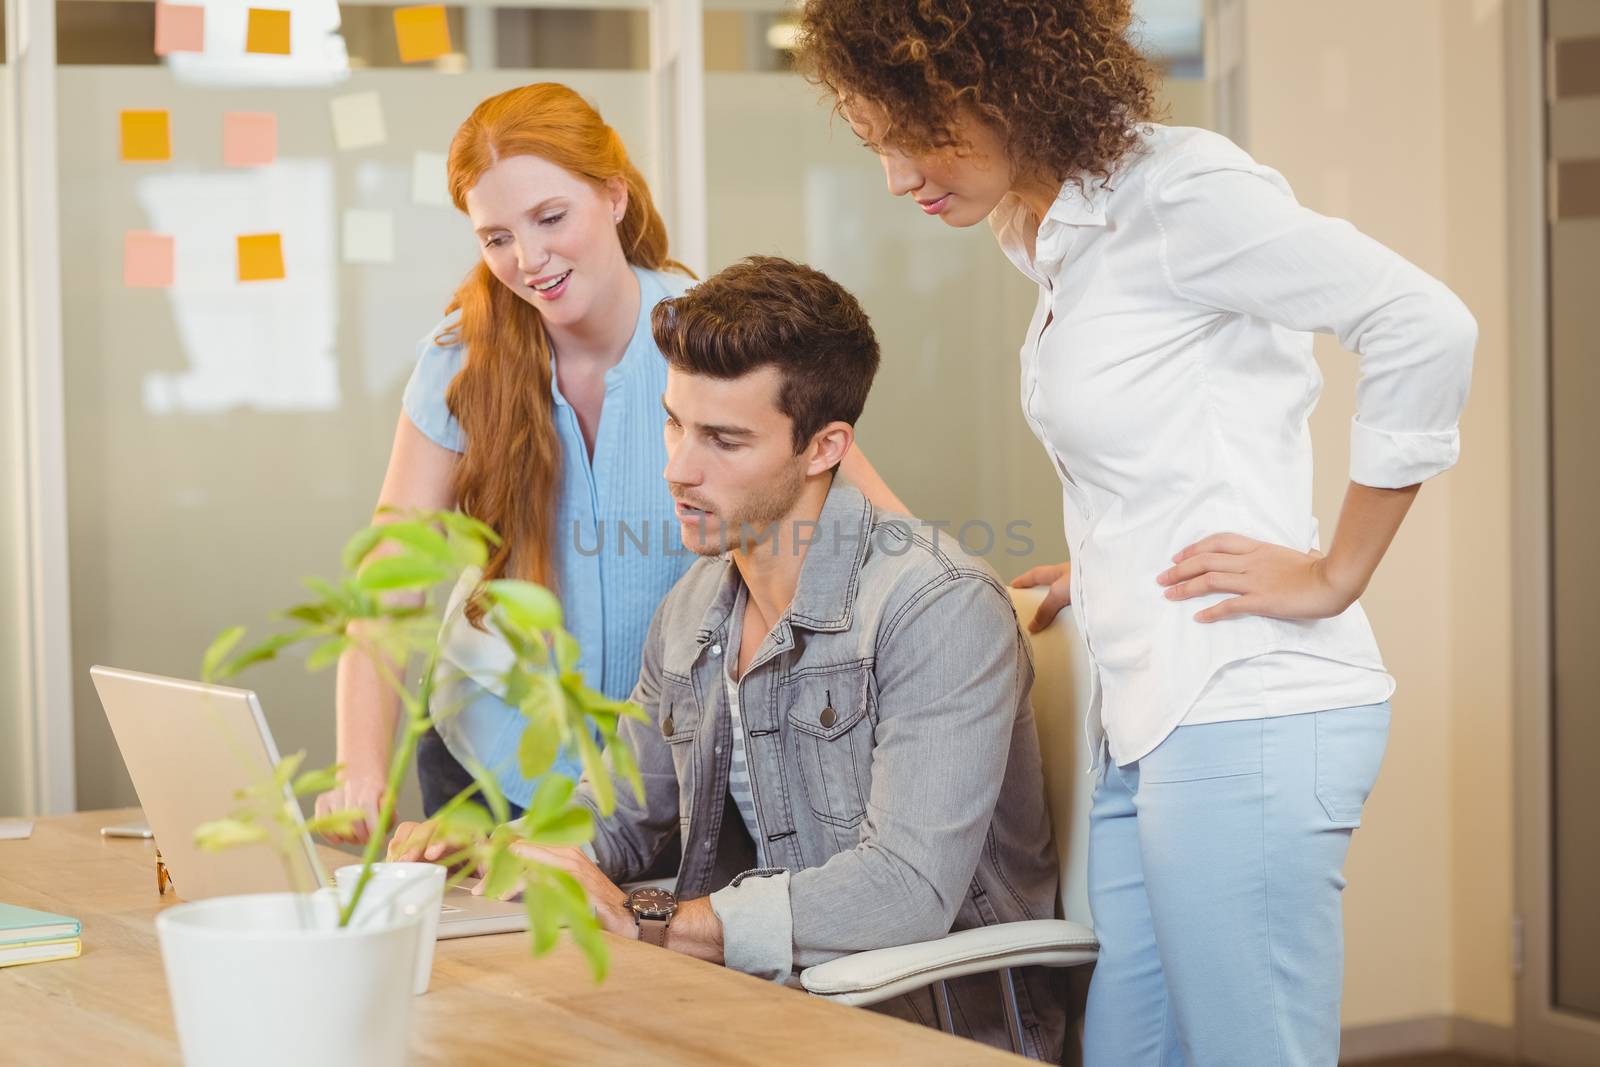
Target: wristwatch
653, 910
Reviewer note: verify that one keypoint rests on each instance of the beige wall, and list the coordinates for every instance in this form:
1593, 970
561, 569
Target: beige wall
1392, 115
14, 752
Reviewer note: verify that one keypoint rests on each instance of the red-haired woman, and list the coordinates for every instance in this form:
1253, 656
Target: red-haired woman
1168, 373
536, 408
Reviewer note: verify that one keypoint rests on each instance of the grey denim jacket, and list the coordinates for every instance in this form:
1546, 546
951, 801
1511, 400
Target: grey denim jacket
892, 757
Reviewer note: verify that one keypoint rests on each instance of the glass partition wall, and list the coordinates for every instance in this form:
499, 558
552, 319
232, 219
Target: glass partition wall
224, 437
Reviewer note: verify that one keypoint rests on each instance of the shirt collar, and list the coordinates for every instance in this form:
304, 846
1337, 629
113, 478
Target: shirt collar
824, 600
642, 341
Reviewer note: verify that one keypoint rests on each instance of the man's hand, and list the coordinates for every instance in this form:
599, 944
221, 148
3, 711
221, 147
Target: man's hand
366, 793
609, 900
1058, 576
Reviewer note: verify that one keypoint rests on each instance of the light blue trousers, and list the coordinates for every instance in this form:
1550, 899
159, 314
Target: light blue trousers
1214, 878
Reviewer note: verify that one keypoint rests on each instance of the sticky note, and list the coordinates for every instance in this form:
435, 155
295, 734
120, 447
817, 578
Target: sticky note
429, 180
146, 137
180, 28
368, 236
267, 31
357, 121
147, 260
422, 33
249, 138
260, 257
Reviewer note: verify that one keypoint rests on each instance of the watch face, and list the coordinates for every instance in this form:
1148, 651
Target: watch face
652, 903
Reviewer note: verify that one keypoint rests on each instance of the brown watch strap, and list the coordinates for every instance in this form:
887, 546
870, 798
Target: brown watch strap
653, 932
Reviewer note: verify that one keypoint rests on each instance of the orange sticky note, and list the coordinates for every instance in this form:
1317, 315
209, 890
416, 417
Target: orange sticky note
260, 257
146, 137
267, 32
422, 33
180, 28
147, 260
249, 138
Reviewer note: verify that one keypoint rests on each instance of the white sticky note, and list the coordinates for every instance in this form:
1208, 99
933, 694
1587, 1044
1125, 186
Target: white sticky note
368, 236
430, 182
357, 121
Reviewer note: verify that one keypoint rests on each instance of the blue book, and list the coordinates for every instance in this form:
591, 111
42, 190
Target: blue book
24, 924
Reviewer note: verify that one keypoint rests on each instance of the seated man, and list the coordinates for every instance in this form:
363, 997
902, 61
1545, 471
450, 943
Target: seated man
838, 707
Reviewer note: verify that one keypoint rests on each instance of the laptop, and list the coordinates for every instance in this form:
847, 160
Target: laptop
189, 748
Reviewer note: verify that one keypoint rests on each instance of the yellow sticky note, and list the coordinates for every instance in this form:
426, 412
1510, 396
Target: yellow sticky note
260, 257
267, 32
146, 137
422, 33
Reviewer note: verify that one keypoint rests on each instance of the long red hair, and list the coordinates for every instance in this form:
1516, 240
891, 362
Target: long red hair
509, 475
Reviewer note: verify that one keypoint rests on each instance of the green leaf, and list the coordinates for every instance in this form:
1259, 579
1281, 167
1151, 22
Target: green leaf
219, 649
327, 653
227, 833
624, 768
594, 771
361, 543
266, 650
464, 525
505, 870
536, 752
526, 605
421, 537
566, 651
406, 571
491, 789
582, 926
464, 824
544, 910
319, 780
549, 799
286, 769
467, 550
572, 827
335, 822
318, 614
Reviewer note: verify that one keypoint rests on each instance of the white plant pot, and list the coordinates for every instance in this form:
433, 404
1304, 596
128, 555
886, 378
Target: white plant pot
270, 979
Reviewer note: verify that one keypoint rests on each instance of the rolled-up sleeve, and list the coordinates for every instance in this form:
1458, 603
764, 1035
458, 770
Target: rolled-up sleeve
1234, 238
951, 673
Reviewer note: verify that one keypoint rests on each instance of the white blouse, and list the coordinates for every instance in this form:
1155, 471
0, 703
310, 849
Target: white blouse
1168, 374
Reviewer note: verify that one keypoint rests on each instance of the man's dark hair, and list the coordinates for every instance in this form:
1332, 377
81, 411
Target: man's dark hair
768, 311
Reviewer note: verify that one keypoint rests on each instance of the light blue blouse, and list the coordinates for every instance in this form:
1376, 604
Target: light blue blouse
617, 551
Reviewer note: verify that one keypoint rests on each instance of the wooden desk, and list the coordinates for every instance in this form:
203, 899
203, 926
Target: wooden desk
490, 1000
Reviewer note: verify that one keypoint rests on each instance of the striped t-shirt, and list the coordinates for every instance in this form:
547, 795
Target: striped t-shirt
739, 768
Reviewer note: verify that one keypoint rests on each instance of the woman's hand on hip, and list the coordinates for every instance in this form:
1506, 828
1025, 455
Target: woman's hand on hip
1267, 579
1058, 576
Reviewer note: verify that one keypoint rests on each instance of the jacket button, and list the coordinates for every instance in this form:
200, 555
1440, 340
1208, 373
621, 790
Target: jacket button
666, 727
829, 717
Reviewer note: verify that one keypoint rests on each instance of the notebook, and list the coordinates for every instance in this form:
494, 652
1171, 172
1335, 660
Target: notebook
65, 948
18, 925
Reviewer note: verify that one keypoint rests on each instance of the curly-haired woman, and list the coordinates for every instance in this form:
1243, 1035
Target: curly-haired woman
1168, 373
535, 407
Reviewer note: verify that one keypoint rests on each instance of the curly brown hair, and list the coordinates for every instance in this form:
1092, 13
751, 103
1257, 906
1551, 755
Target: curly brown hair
1058, 79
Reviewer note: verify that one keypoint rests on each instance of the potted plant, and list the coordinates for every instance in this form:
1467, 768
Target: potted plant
307, 977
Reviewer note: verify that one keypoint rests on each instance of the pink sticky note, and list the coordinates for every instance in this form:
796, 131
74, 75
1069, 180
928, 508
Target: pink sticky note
249, 138
180, 28
147, 260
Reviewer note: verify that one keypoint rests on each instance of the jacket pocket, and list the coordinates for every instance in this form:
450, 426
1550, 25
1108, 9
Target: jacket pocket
830, 732
1350, 746
680, 728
